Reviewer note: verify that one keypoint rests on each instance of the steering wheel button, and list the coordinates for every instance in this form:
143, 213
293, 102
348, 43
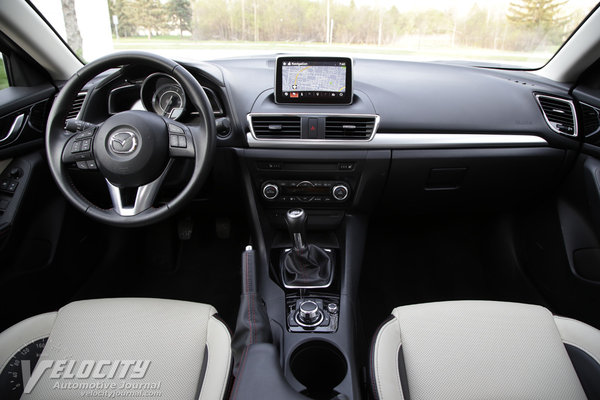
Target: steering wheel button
91, 164
173, 141
82, 165
82, 156
86, 144
175, 129
76, 147
182, 141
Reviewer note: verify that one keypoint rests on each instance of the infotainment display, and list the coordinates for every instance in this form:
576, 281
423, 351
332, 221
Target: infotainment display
313, 80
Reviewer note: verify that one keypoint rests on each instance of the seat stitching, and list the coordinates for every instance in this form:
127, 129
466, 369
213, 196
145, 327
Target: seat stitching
239, 378
250, 311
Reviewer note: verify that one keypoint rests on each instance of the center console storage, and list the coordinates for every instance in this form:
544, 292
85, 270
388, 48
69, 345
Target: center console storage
320, 367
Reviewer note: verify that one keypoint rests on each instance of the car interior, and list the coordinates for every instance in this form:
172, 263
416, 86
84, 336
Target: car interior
432, 231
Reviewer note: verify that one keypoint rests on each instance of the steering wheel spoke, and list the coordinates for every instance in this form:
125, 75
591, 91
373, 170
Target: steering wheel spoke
128, 202
78, 148
181, 144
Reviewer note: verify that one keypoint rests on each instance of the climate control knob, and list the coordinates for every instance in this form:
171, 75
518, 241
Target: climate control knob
340, 192
270, 191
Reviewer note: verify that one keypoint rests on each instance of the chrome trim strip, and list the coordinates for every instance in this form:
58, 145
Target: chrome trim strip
375, 126
403, 141
14, 128
550, 124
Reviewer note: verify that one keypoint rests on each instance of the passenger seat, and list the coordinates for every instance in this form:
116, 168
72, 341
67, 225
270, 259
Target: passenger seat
484, 350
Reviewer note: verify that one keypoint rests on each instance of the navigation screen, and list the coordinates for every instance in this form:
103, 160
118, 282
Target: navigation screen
316, 80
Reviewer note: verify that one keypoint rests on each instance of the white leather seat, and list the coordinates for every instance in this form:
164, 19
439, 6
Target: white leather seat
484, 350
169, 349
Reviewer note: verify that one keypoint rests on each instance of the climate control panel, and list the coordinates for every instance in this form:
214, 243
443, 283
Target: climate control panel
305, 191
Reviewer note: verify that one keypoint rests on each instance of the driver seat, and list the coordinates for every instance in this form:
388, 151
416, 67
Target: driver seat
175, 349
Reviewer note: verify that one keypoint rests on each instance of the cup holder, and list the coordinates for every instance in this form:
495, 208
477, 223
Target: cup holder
319, 366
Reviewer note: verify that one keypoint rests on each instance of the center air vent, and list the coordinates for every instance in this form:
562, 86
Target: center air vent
76, 106
349, 128
591, 119
559, 114
276, 127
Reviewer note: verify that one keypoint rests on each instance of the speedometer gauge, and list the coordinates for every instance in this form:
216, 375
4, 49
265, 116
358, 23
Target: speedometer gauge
162, 94
168, 98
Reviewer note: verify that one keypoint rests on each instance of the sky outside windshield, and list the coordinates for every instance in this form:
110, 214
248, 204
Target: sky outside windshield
524, 33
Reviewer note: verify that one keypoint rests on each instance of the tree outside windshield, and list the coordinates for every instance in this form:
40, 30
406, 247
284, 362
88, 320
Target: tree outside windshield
524, 33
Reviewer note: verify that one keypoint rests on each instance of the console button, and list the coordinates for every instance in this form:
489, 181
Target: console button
76, 148
340, 192
309, 313
270, 191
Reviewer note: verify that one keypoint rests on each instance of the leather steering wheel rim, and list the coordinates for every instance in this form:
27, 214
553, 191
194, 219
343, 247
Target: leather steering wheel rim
203, 134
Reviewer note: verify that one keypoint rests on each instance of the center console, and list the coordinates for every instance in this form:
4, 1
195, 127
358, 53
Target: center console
317, 199
311, 184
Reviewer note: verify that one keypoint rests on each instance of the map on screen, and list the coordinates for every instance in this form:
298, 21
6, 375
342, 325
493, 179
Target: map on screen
308, 77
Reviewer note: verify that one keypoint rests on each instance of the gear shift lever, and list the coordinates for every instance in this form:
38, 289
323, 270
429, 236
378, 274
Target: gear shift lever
296, 223
305, 265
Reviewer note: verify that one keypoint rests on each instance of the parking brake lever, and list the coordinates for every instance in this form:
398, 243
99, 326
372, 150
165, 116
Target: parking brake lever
252, 325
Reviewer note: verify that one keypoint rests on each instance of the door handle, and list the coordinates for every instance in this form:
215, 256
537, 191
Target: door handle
14, 128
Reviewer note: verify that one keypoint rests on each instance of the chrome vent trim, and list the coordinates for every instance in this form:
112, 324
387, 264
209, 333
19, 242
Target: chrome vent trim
349, 128
77, 105
559, 114
275, 126
590, 119
260, 135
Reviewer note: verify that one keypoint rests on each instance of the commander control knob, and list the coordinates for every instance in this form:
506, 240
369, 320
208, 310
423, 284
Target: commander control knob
340, 192
270, 191
309, 313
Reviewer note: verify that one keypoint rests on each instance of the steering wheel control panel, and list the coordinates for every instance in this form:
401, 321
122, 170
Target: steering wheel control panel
313, 314
306, 191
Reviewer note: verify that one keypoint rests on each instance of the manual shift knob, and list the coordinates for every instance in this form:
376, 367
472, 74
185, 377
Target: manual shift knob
295, 219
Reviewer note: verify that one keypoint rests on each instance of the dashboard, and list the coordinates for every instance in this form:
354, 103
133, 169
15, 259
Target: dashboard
415, 134
387, 104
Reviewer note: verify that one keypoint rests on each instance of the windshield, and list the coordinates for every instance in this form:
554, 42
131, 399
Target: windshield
519, 33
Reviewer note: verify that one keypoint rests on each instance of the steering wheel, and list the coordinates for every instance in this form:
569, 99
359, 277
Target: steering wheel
133, 150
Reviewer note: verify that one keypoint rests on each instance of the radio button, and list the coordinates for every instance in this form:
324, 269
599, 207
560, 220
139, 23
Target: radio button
270, 191
340, 192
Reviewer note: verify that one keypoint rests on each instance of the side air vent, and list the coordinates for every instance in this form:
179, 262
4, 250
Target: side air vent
559, 114
276, 127
591, 119
349, 128
38, 115
76, 106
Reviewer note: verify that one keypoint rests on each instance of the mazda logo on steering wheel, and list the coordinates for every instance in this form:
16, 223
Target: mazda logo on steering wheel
123, 142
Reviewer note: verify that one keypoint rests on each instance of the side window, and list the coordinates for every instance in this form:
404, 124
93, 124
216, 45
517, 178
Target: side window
3, 77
